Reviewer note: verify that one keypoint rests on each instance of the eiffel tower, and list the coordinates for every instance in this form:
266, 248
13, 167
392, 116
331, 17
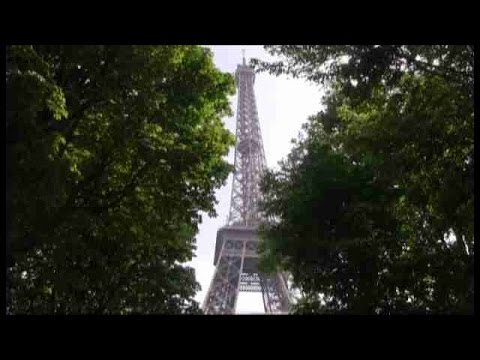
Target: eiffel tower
236, 255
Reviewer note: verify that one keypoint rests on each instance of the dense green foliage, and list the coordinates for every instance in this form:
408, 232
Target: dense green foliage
112, 153
372, 212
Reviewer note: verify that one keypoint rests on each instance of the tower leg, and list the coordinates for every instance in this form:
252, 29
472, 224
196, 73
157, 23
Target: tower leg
223, 292
275, 293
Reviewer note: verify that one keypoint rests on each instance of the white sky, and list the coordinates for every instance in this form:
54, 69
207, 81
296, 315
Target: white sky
283, 105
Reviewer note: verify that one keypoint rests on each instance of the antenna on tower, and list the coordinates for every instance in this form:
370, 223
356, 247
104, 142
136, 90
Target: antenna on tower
243, 55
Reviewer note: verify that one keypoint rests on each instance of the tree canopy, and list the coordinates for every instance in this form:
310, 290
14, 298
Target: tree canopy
372, 211
112, 154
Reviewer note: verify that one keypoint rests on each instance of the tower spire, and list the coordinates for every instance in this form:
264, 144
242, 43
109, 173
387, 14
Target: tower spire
243, 57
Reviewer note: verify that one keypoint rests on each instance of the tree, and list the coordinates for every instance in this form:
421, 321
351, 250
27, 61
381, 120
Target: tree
397, 162
115, 152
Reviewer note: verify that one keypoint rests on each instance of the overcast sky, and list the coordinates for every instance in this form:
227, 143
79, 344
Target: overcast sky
283, 106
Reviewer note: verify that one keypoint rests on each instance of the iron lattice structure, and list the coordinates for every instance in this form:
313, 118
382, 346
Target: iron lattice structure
236, 244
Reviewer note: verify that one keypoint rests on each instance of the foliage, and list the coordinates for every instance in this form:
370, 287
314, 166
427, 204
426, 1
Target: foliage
372, 212
115, 152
